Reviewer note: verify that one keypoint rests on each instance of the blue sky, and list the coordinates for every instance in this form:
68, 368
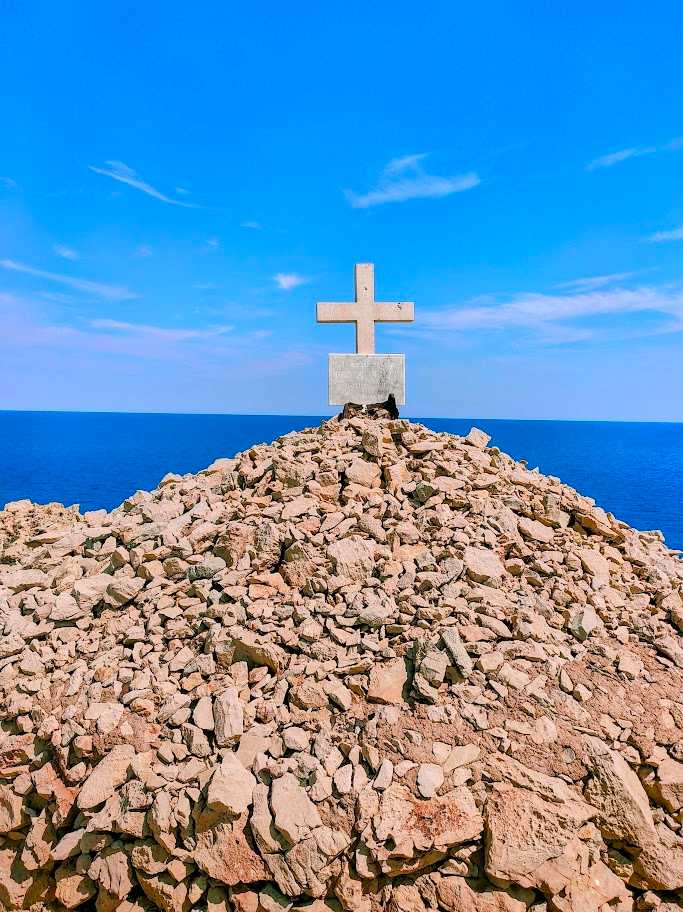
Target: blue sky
179, 185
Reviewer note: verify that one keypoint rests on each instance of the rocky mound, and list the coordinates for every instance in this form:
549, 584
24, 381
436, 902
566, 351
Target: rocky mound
366, 666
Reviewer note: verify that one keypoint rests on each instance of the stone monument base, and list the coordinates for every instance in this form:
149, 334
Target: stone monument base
366, 379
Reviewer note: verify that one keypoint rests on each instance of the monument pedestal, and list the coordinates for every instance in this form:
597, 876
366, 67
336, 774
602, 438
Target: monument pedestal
366, 379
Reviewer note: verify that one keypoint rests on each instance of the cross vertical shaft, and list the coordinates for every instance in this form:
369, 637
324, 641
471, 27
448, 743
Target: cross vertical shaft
365, 299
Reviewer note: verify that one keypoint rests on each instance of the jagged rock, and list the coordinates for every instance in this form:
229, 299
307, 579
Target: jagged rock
669, 786
595, 564
456, 895
228, 716
386, 682
12, 813
224, 853
72, 888
534, 842
294, 814
106, 777
230, 788
352, 558
620, 800
483, 565
583, 623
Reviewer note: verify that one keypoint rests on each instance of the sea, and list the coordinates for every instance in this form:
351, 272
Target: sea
634, 470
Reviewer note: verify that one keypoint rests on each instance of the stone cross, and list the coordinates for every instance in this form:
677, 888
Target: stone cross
366, 377
365, 311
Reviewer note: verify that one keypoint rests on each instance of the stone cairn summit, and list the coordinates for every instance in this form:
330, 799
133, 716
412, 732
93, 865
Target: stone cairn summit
366, 666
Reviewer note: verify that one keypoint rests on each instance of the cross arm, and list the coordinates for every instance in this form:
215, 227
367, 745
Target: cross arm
336, 313
394, 312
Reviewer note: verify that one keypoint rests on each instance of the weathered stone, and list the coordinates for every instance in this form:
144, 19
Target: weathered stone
223, 853
456, 650
106, 777
12, 813
231, 787
352, 558
294, 814
583, 623
439, 823
387, 681
228, 716
429, 779
456, 895
595, 565
72, 888
623, 811
477, 438
483, 565
526, 835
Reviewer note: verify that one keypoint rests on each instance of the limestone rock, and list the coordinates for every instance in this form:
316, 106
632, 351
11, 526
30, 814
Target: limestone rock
228, 716
483, 565
294, 814
531, 841
106, 777
387, 681
352, 558
223, 852
231, 787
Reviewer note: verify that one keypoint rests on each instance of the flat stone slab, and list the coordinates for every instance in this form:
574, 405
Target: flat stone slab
365, 379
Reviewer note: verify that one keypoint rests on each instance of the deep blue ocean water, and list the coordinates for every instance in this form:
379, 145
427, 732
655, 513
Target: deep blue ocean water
634, 470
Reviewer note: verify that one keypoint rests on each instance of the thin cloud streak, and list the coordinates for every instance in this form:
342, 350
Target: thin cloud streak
119, 171
160, 332
614, 158
545, 314
27, 327
591, 282
110, 292
405, 179
676, 234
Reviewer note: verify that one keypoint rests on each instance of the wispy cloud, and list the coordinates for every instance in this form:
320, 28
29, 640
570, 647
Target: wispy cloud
614, 158
405, 179
289, 280
213, 243
143, 251
255, 226
110, 292
66, 253
591, 282
35, 333
561, 318
59, 297
675, 234
170, 334
8, 183
119, 171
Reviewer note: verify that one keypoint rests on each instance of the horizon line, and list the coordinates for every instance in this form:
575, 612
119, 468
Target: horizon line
319, 417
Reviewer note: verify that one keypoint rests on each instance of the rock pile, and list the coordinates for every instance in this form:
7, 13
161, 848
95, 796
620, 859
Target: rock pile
366, 666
